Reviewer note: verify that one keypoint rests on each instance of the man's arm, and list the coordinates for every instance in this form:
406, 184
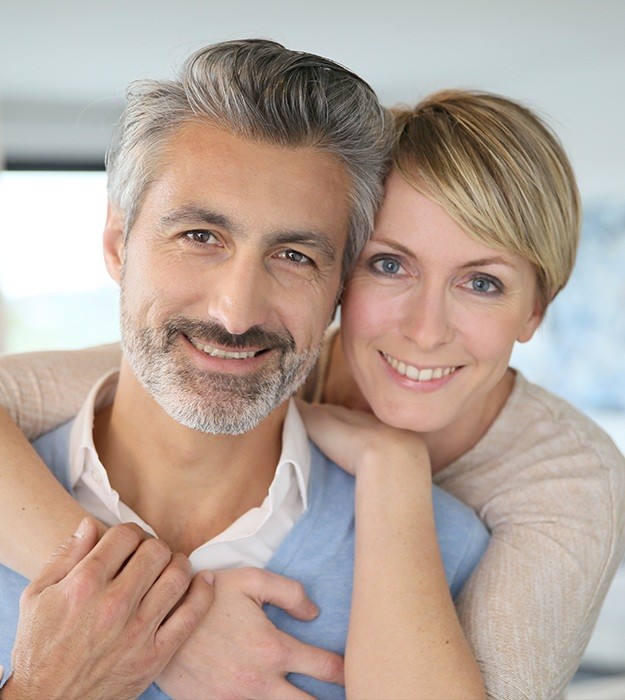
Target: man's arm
103, 619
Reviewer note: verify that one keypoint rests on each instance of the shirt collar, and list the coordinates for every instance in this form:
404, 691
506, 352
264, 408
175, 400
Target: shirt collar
296, 450
81, 445
295, 446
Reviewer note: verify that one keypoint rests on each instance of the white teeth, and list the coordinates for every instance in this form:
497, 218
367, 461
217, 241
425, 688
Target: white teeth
216, 352
420, 375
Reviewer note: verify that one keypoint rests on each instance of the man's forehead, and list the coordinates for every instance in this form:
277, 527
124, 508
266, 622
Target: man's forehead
205, 172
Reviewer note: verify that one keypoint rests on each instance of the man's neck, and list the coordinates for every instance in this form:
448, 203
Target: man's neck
188, 485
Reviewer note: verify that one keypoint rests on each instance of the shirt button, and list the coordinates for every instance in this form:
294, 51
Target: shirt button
96, 476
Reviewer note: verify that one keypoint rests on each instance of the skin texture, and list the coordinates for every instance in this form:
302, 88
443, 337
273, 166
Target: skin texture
426, 294
400, 591
212, 231
110, 614
225, 218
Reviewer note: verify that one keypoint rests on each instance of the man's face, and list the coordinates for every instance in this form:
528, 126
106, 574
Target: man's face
229, 275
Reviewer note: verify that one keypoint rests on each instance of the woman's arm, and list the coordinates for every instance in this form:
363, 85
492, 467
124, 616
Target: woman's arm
39, 391
42, 390
37, 512
551, 488
404, 637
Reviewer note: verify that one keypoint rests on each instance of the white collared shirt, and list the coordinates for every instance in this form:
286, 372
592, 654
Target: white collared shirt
251, 540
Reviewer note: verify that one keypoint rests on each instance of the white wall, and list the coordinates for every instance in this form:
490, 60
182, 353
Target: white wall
64, 64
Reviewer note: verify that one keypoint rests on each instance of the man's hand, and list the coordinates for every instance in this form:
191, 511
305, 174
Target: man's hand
102, 620
236, 652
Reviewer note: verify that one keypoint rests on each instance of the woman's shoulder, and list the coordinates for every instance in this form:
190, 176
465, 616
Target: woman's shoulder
538, 446
559, 425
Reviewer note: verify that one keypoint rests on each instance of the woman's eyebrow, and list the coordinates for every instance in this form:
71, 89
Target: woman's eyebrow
482, 262
395, 246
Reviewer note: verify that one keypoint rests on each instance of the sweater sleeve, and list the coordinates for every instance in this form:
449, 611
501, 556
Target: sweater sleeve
554, 501
41, 390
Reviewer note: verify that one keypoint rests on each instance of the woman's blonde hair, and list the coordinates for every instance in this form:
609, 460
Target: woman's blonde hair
499, 172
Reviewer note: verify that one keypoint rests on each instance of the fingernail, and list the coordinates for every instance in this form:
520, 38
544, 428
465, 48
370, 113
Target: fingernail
209, 577
82, 528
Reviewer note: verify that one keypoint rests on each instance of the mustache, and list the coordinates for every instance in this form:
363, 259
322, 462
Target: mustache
213, 333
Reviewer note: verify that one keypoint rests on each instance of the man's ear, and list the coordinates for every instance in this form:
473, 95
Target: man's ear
533, 321
114, 242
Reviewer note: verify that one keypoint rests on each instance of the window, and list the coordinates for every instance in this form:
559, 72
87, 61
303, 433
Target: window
54, 288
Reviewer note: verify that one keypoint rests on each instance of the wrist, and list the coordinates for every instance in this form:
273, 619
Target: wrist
403, 456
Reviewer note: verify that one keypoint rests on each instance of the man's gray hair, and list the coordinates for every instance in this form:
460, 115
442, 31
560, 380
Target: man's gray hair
262, 91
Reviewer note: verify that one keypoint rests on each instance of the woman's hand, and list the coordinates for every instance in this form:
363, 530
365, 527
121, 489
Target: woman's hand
355, 439
236, 652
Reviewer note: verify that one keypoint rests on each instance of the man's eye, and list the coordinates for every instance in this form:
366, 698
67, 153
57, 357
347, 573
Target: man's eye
296, 257
200, 236
386, 266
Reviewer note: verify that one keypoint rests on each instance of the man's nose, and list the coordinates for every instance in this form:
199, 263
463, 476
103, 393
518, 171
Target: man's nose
239, 295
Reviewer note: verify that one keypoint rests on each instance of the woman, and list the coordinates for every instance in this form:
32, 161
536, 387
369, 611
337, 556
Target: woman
477, 235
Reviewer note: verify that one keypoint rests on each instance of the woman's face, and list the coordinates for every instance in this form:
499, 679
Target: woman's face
430, 316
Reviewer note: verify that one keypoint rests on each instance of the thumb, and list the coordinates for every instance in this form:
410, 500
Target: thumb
65, 558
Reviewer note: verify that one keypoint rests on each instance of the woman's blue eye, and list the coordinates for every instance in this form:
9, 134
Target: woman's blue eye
485, 285
387, 266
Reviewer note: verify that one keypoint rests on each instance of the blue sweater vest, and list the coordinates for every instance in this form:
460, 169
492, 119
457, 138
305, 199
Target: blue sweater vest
318, 552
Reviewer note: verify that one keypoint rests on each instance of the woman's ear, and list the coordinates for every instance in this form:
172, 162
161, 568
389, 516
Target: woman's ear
534, 320
114, 242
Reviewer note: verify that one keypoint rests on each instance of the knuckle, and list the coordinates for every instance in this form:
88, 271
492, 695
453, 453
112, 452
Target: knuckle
28, 594
253, 683
296, 591
83, 584
112, 609
274, 653
253, 577
177, 580
188, 620
156, 549
128, 533
330, 667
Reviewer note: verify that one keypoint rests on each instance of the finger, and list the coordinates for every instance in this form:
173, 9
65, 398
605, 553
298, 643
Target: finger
314, 662
286, 593
113, 550
167, 590
285, 691
70, 553
187, 616
145, 566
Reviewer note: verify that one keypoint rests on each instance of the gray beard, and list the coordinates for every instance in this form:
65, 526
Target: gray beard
211, 402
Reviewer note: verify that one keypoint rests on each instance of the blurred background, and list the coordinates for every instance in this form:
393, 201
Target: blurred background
63, 70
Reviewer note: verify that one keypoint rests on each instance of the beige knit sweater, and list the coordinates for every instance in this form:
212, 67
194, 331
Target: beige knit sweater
549, 484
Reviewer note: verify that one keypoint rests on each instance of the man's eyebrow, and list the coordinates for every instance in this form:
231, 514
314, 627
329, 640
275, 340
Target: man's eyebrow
191, 214
314, 239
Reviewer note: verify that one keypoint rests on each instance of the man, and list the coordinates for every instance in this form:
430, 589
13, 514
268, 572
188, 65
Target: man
239, 197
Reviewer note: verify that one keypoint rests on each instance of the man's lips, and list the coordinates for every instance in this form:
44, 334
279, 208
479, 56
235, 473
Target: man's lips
225, 354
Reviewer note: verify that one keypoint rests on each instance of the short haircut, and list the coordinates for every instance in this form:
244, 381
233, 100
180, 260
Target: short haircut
259, 90
499, 172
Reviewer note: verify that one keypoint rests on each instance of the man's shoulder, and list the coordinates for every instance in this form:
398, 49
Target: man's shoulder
53, 448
